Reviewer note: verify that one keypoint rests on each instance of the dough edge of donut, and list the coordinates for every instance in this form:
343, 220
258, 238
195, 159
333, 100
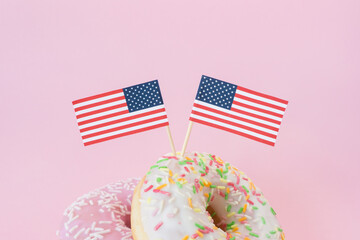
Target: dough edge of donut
137, 228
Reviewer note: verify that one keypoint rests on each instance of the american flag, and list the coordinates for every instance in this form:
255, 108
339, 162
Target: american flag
120, 112
238, 110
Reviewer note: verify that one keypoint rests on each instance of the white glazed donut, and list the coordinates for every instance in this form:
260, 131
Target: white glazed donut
100, 214
177, 197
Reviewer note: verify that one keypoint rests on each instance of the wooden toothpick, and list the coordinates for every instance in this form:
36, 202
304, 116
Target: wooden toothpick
186, 138
171, 140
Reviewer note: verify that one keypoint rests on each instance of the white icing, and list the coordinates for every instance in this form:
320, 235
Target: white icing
175, 217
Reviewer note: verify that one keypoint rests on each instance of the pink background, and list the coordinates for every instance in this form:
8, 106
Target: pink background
53, 52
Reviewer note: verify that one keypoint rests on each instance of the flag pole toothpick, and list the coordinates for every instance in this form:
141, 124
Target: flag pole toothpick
171, 140
186, 138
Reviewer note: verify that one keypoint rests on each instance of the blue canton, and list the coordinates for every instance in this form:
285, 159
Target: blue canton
216, 92
142, 96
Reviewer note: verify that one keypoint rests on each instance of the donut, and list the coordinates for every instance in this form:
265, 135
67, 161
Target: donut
199, 196
100, 214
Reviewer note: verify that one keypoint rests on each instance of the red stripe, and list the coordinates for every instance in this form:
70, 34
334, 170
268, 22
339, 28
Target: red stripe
101, 110
255, 115
124, 127
236, 117
259, 102
127, 133
97, 96
262, 95
232, 131
257, 109
234, 124
123, 119
99, 103
103, 117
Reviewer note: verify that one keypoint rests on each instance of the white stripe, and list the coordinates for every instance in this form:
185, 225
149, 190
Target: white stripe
99, 99
120, 116
237, 114
233, 128
256, 112
235, 120
261, 98
125, 130
102, 114
258, 106
122, 123
99, 107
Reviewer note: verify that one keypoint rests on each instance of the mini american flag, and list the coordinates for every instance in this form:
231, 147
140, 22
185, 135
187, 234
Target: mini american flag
238, 110
120, 113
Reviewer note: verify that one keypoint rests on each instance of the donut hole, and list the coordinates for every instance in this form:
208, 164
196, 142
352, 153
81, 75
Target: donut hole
217, 210
127, 221
215, 216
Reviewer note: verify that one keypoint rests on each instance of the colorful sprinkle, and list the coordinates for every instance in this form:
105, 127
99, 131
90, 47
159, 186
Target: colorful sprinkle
158, 226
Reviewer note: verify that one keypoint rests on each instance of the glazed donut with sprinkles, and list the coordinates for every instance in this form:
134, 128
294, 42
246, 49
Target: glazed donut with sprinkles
103, 213
199, 196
